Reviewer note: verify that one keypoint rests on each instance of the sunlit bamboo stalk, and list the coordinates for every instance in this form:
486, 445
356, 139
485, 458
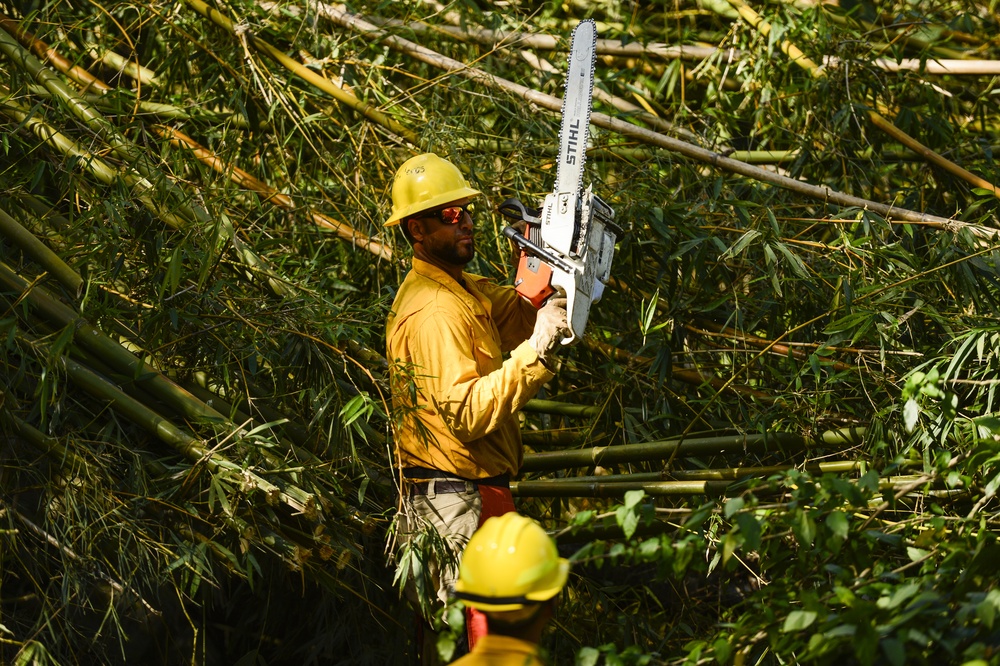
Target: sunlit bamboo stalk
283, 201
307, 74
44, 51
561, 408
90, 161
725, 474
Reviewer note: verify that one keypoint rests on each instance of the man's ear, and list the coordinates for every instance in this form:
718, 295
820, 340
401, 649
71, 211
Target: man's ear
416, 228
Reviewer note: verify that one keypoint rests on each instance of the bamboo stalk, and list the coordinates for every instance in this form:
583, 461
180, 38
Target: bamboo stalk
42, 50
307, 74
561, 408
49, 445
527, 40
761, 343
89, 161
680, 373
187, 445
798, 58
724, 474
820, 193
133, 70
615, 48
61, 316
660, 450
159, 109
593, 489
88, 115
283, 201
711, 488
70, 554
37, 250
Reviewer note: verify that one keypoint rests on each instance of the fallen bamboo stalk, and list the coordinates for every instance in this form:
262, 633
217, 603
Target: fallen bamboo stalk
682, 374
660, 450
70, 554
528, 40
710, 488
799, 59
158, 109
820, 193
110, 351
616, 48
283, 201
303, 72
248, 256
761, 343
49, 445
37, 250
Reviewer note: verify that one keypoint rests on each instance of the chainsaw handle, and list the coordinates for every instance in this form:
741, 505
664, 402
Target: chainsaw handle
526, 245
514, 210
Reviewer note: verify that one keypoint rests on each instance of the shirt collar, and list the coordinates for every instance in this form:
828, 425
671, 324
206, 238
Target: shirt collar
470, 295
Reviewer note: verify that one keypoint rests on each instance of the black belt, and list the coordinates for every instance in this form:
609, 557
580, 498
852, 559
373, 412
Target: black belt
419, 479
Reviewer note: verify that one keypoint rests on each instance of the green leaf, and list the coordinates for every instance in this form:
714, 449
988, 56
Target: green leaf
723, 650
741, 244
587, 656
733, 505
838, 524
750, 529
894, 651
798, 620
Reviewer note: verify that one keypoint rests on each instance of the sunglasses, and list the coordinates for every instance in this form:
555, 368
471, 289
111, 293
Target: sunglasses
453, 214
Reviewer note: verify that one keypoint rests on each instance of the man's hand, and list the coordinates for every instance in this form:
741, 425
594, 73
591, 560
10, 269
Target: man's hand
550, 327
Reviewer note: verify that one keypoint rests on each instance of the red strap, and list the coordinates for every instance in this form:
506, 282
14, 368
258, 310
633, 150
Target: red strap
496, 502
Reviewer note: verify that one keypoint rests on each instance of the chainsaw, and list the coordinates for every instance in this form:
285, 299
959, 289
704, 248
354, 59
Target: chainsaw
568, 245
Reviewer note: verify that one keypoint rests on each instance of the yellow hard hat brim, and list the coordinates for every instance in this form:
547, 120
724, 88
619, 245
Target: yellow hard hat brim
440, 200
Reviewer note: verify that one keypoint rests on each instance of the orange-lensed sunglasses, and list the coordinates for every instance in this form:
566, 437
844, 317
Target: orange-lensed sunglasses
453, 214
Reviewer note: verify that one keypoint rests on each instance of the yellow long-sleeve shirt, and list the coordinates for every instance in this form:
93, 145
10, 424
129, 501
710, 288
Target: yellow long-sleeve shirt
455, 398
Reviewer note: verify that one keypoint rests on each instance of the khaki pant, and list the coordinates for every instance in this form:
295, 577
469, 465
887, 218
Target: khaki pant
431, 533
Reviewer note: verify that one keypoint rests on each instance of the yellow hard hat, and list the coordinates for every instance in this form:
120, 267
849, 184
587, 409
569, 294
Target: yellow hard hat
508, 564
424, 182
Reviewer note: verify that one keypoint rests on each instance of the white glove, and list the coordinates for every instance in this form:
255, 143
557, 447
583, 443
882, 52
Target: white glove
550, 327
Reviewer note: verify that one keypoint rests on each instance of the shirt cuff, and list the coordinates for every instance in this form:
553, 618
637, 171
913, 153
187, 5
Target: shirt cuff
533, 365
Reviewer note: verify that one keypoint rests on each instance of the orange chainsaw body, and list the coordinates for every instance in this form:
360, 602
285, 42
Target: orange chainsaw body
534, 279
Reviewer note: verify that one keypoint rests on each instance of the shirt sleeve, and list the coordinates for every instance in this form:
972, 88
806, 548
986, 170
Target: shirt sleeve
448, 360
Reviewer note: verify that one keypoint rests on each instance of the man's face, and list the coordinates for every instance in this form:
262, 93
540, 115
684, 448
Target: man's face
448, 242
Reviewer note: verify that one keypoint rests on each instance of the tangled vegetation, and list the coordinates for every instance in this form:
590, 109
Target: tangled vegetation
778, 443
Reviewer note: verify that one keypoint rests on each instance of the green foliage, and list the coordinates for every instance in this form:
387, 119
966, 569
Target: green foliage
257, 482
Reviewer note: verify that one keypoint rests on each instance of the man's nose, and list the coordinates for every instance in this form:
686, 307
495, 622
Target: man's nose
466, 221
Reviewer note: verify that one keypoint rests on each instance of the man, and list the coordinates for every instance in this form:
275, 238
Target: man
512, 572
455, 398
